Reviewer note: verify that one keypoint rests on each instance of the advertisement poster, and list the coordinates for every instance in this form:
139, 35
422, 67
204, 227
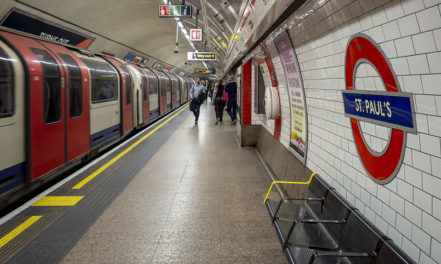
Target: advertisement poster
298, 138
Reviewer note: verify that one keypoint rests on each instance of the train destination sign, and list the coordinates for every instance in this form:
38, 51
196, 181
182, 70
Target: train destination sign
387, 109
175, 11
201, 56
28, 23
390, 108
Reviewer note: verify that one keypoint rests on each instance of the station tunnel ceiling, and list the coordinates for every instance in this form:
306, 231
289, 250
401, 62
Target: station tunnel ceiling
136, 24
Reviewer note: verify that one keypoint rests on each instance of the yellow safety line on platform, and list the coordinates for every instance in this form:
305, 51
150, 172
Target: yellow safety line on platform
120, 155
287, 182
11, 235
58, 201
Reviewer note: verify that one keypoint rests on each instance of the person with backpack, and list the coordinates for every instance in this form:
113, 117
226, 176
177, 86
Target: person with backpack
231, 89
197, 96
219, 102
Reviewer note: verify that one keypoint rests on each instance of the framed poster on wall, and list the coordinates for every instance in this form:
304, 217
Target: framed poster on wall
297, 101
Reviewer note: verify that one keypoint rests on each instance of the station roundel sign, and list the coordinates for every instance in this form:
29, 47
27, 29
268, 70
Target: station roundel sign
384, 166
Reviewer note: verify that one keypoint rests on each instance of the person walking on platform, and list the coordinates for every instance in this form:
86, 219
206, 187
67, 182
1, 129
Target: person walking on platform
219, 103
231, 89
197, 94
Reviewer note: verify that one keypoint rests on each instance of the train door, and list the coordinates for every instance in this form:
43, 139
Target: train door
163, 98
169, 92
179, 90
44, 93
127, 116
76, 101
142, 97
153, 97
173, 93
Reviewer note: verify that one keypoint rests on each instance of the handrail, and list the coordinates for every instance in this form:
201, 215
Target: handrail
287, 182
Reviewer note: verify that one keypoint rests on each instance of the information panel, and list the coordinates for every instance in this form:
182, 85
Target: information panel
201, 56
298, 138
175, 11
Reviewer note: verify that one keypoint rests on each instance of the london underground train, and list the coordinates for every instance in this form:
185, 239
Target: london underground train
59, 106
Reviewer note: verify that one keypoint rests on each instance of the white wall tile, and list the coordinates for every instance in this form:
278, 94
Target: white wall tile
404, 226
391, 30
430, 145
404, 47
424, 42
400, 66
426, 259
418, 64
434, 125
432, 226
431, 84
425, 104
397, 203
405, 190
413, 176
437, 208
413, 84
394, 10
429, 3
410, 249
421, 161
408, 25
436, 251
435, 62
423, 200
413, 213
436, 166
432, 185
412, 6
429, 19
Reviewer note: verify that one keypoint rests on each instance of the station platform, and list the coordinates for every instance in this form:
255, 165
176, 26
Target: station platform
177, 193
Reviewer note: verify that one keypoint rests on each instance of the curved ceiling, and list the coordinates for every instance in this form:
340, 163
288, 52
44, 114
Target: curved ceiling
136, 24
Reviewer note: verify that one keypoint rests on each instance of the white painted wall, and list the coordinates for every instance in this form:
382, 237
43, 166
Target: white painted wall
408, 209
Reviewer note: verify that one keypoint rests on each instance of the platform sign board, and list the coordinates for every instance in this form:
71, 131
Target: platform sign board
297, 102
31, 24
201, 56
196, 34
175, 11
390, 108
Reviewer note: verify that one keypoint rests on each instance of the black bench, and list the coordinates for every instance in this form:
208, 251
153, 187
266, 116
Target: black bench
325, 228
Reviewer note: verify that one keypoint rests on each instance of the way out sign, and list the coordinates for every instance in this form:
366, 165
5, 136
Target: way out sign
196, 34
390, 108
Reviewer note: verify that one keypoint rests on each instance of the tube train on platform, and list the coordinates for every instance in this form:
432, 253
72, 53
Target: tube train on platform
60, 106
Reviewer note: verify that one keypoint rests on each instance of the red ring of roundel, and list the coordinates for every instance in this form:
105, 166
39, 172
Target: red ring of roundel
384, 166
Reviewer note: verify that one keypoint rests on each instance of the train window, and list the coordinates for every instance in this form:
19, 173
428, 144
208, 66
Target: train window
104, 81
75, 86
163, 90
51, 86
6, 85
144, 87
153, 82
128, 85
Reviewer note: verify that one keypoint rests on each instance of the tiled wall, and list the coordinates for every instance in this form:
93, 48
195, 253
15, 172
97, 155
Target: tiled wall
408, 209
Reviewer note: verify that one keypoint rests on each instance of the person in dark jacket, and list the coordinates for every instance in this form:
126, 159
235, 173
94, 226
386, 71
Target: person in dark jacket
231, 89
219, 104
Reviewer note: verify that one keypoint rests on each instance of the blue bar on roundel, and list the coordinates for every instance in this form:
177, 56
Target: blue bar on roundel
390, 109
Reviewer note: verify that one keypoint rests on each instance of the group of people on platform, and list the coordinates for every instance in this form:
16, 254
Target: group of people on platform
221, 95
